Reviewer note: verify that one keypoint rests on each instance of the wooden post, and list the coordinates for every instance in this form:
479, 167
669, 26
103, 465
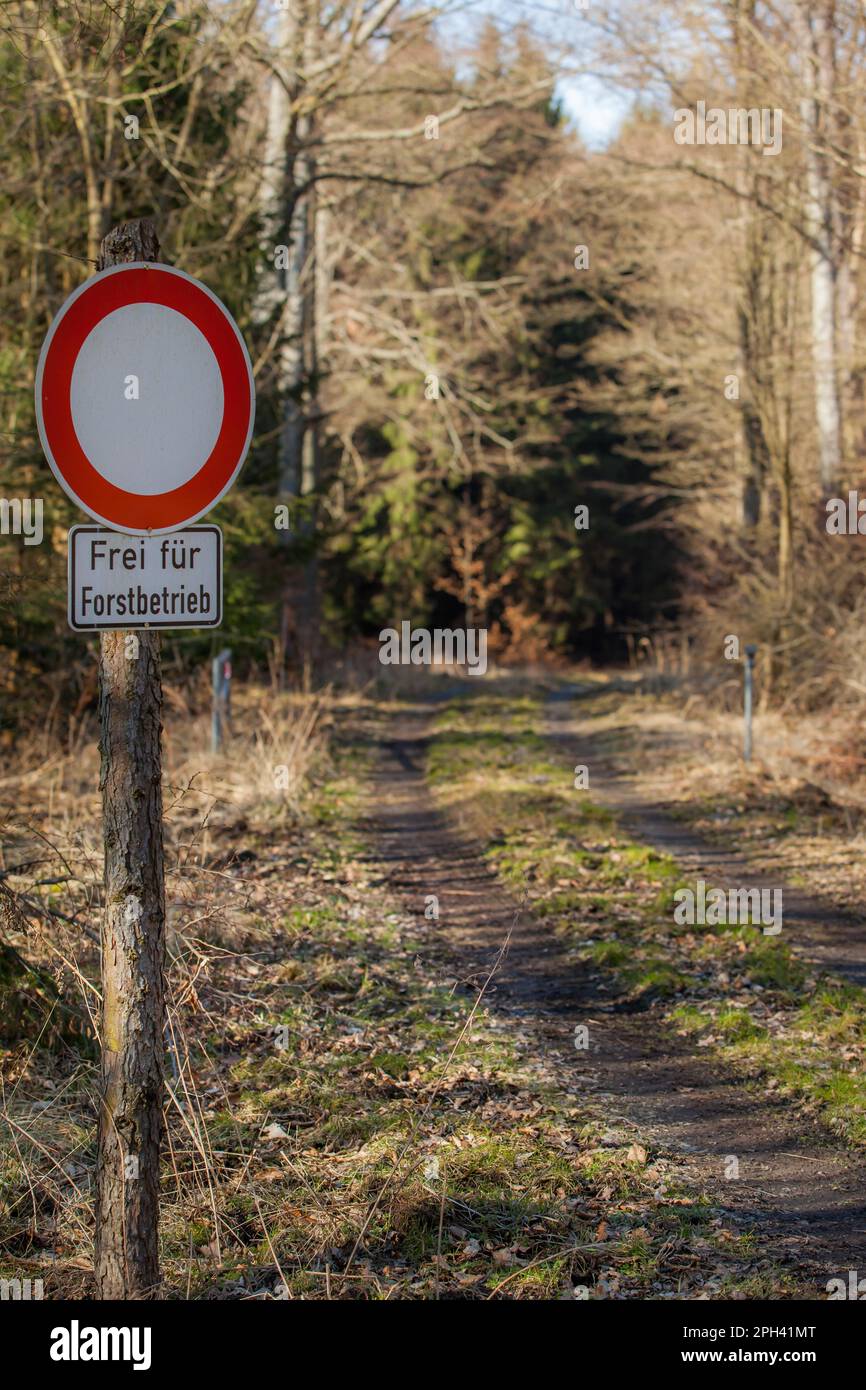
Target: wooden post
133, 931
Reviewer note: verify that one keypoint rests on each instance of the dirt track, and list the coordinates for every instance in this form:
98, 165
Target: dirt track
804, 1196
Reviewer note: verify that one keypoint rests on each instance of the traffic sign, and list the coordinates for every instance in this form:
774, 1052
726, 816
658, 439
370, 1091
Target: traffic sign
144, 398
139, 582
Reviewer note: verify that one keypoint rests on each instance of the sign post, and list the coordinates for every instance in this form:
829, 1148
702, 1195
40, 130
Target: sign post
129, 1137
145, 406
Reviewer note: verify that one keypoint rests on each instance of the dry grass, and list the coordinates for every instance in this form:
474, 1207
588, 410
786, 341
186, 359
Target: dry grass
52, 863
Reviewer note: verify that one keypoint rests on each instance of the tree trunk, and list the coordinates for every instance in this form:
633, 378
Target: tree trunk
848, 369
133, 932
311, 292
822, 223
287, 298
757, 453
275, 180
747, 177
786, 538
285, 224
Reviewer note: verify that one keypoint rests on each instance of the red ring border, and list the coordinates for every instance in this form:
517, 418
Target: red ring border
114, 289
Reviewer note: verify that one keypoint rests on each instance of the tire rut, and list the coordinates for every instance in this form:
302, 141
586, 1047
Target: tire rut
830, 938
802, 1194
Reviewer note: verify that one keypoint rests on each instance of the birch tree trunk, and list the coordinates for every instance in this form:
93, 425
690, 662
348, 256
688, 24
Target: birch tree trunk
133, 932
815, 29
274, 200
848, 371
285, 241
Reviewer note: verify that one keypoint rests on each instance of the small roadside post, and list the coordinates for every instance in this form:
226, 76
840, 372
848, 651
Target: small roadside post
145, 407
221, 680
748, 682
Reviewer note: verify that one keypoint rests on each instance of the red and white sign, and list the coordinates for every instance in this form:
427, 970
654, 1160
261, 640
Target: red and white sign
144, 398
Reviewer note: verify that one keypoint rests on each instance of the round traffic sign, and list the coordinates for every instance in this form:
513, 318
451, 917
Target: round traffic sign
144, 398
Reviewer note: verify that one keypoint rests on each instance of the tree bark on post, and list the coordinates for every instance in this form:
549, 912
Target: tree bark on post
133, 931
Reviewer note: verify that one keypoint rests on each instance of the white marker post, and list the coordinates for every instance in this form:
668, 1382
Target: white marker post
748, 685
221, 681
145, 406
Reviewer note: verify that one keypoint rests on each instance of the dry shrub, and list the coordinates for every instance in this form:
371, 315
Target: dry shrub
811, 654
521, 638
271, 752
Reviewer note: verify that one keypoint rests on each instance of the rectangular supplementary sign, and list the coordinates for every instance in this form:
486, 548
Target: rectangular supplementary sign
116, 580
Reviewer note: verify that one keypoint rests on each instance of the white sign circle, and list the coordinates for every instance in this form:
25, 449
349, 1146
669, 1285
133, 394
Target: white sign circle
144, 398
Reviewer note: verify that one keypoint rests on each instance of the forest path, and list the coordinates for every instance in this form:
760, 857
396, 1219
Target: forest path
802, 1194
